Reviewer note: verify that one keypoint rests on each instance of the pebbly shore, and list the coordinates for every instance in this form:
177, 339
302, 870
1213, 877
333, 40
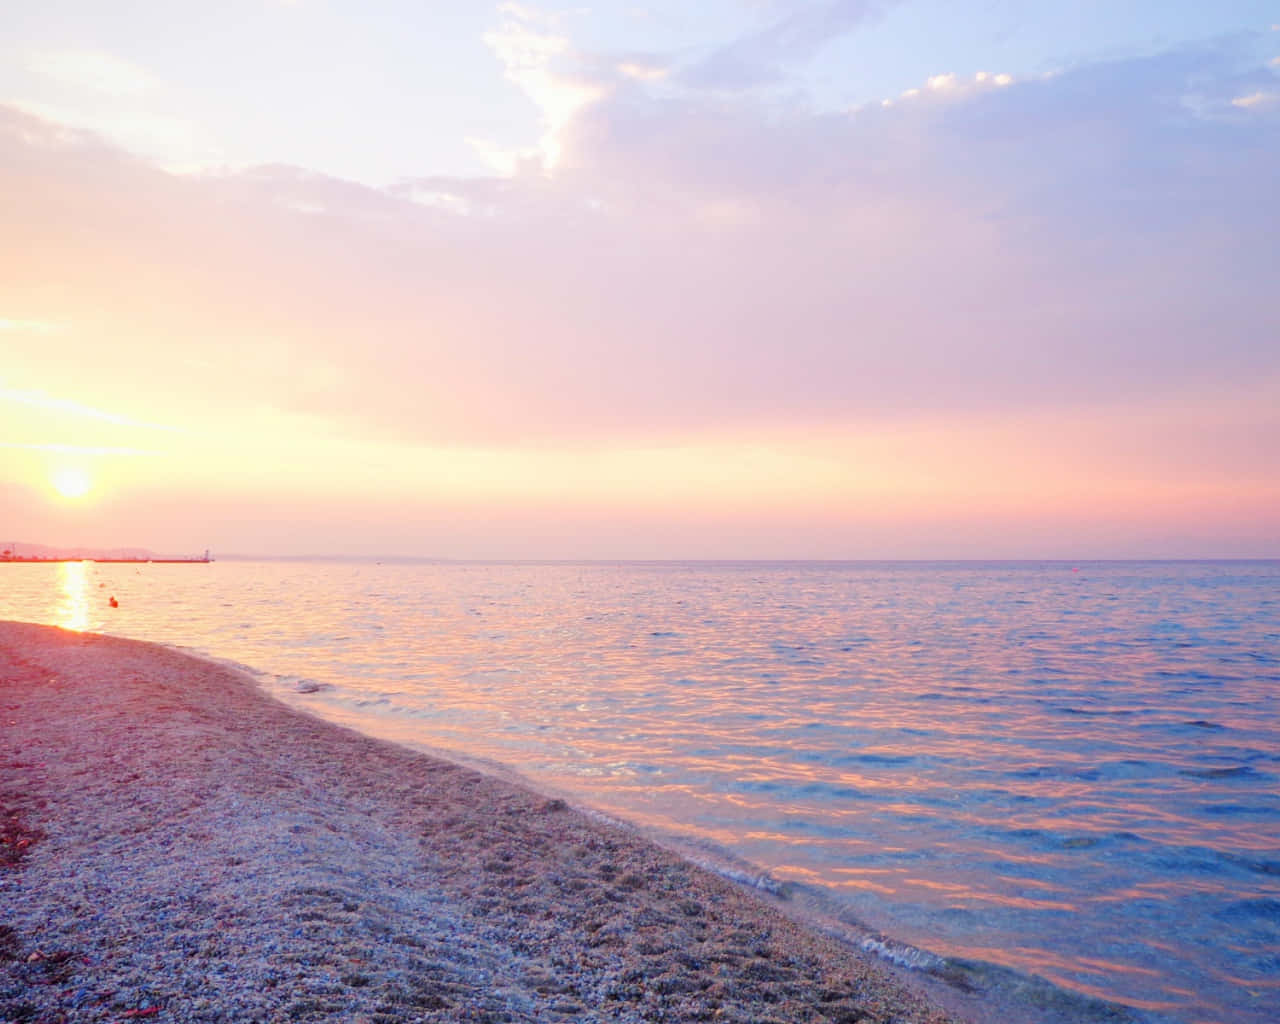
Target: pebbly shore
177, 846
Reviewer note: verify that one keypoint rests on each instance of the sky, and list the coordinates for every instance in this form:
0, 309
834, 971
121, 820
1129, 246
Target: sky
740, 279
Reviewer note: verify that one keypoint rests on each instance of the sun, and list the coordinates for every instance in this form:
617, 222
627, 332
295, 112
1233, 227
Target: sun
71, 482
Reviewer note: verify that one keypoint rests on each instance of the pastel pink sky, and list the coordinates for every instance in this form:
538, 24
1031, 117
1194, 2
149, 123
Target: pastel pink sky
699, 303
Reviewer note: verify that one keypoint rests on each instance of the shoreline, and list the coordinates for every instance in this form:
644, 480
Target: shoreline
185, 847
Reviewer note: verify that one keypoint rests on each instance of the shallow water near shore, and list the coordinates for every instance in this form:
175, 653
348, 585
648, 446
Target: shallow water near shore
1065, 769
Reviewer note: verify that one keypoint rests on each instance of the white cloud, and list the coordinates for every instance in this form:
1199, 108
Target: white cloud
1259, 100
504, 160
173, 141
761, 57
93, 71
33, 326
41, 400
77, 449
519, 11
952, 86
439, 199
529, 58
642, 71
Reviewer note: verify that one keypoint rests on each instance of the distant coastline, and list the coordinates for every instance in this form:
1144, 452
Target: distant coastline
197, 560
27, 553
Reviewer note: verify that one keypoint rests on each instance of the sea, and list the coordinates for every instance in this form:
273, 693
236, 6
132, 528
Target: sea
1011, 769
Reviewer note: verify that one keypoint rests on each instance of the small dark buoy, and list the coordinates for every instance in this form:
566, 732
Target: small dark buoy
113, 602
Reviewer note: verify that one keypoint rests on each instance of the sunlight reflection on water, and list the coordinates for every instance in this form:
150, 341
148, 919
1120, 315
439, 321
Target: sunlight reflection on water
1073, 772
73, 582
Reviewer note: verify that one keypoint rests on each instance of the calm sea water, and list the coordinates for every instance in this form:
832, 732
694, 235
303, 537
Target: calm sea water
1070, 770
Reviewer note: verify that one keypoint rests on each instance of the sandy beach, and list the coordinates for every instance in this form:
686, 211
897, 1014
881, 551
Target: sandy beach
175, 845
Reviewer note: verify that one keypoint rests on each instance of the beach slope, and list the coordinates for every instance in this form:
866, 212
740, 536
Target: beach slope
175, 845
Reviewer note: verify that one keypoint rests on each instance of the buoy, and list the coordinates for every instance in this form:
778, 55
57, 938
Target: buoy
113, 602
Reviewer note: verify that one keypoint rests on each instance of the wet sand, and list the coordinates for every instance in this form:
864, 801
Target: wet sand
175, 845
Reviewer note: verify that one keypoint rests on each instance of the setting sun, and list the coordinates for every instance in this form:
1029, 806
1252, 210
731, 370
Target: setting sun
71, 482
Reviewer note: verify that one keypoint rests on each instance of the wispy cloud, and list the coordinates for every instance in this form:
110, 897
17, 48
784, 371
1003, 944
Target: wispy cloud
28, 326
118, 100
80, 449
763, 56
1260, 100
643, 69
93, 71
950, 86
50, 403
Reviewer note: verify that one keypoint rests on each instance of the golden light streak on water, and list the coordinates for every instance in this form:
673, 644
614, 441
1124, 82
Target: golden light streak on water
73, 610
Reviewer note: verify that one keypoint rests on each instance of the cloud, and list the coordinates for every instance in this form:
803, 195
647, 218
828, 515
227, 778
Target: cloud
950, 87
1260, 100
79, 449
530, 57
93, 71
694, 266
644, 69
32, 326
117, 99
41, 400
761, 57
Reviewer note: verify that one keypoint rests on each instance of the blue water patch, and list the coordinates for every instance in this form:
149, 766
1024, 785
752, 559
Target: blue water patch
1267, 910
795, 792
1231, 772
1259, 865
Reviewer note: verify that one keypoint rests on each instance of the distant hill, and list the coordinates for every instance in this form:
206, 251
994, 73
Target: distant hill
23, 550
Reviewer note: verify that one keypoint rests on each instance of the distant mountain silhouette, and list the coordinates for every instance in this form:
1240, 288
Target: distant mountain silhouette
25, 551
